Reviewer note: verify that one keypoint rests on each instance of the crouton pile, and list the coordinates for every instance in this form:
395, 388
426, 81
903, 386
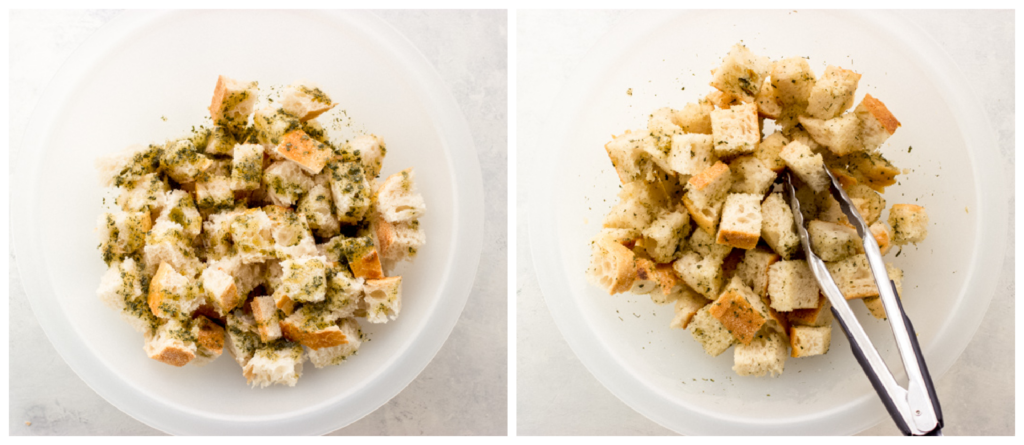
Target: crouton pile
259, 235
701, 224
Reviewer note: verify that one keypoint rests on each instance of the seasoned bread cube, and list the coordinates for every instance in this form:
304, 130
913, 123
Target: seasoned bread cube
304, 279
767, 100
174, 343
247, 167
220, 142
286, 182
833, 93
383, 299
398, 200
214, 194
272, 124
646, 277
209, 341
264, 310
611, 264
753, 269
705, 195
832, 241
778, 226
829, 210
122, 234
167, 242
821, 315
335, 355
661, 128
251, 232
399, 241
791, 285
703, 275
635, 209
669, 285
275, 364
183, 162
662, 237
741, 74
691, 153
809, 167
694, 118
181, 209
741, 221
687, 304
712, 335
171, 294
292, 237
242, 339
121, 290
768, 151
735, 130
631, 156
872, 170
840, 134
805, 341
344, 292
794, 80
740, 310
750, 175
909, 223
145, 194
877, 123
305, 101
854, 278
722, 99
359, 253
216, 235
766, 354
349, 189
232, 102
868, 202
706, 245
220, 289
129, 165
884, 235
370, 149
306, 152
313, 329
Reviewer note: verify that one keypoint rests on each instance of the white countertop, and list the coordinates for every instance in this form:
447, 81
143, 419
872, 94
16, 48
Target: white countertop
558, 396
463, 391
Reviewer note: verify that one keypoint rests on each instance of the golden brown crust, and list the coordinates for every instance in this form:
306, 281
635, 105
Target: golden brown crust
264, 309
208, 311
843, 176
174, 356
311, 154
880, 112
737, 315
666, 277
284, 303
705, 222
219, 92
367, 266
211, 335
157, 294
623, 271
740, 240
708, 176
324, 338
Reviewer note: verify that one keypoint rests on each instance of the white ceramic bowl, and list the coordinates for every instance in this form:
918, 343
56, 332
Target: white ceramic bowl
625, 340
143, 65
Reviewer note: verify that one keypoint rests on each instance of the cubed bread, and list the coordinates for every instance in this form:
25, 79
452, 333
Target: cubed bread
669, 285
703, 275
741, 74
820, 315
292, 237
791, 285
706, 245
869, 203
121, 290
308, 153
694, 118
629, 156
788, 121
383, 299
122, 234
805, 341
317, 208
305, 102
809, 167
209, 341
883, 234
843, 176
304, 278
872, 170
794, 80
687, 303
171, 294
335, 355
661, 128
721, 99
398, 200
909, 223
344, 292
854, 278
251, 232
753, 269
271, 124
874, 304
877, 123
370, 149
767, 100
663, 236
398, 242
145, 194
275, 364
183, 162
750, 175
220, 289
166, 242
181, 209
646, 280
768, 151
832, 241
735, 130
829, 209
233, 101
691, 153
705, 195
264, 310
349, 189
359, 253
247, 167
286, 182
840, 134
611, 264
129, 165
220, 142
778, 226
711, 333
214, 194
740, 310
832, 94
173, 343
766, 354
635, 209
741, 221
241, 338
313, 329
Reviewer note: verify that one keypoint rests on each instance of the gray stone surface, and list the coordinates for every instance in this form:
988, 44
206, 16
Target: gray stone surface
463, 391
556, 395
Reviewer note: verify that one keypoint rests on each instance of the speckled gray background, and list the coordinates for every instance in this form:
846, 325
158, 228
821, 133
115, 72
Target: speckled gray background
463, 391
556, 395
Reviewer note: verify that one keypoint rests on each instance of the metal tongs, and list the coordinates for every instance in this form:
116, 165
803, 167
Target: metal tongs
915, 409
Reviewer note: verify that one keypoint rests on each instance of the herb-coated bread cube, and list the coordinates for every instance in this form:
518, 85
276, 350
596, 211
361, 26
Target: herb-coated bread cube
791, 285
173, 343
687, 303
706, 245
272, 124
766, 354
877, 123
663, 235
264, 310
806, 341
705, 195
832, 241
691, 153
209, 341
741, 74
794, 80
741, 221
232, 102
129, 165
872, 170
768, 151
304, 279
335, 355
349, 189
279, 363
840, 134
820, 315
291, 234
809, 167
183, 162
694, 118
220, 289
304, 151
735, 130
220, 142
305, 101
703, 275
251, 232
753, 269
909, 223
832, 94
611, 264
172, 295
122, 234
884, 235
740, 310
869, 203
778, 226
712, 335
286, 182
767, 100
214, 194
750, 175
383, 299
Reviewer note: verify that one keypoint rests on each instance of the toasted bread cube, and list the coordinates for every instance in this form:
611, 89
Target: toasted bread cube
768, 151
750, 175
214, 194
883, 234
634, 155
722, 100
706, 245
121, 290
335, 355
874, 304
251, 232
349, 189
247, 167
172, 294
292, 237
840, 134
832, 241
735, 130
172, 343
635, 210
275, 365
877, 123
767, 100
691, 153
370, 149
145, 194
344, 292
304, 279
242, 339
791, 285
753, 269
668, 286
694, 118
306, 152
766, 354
741, 221
360, 254
232, 102
181, 209
869, 203
611, 264
122, 234
809, 167
741, 73
216, 235
383, 299
833, 93
399, 241
661, 128
220, 289
794, 80
872, 170
843, 176
272, 124
646, 278
705, 195
687, 304
220, 142
305, 101
854, 278
909, 223
127, 166
711, 333
317, 207
788, 121
740, 310
662, 237
167, 242
264, 310
821, 315
779, 226
829, 210
183, 162
285, 182
209, 341
398, 200
703, 275
806, 341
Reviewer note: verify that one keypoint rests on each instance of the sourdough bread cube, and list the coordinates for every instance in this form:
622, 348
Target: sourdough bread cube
183, 162
806, 341
703, 275
398, 242
669, 285
264, 310
383, 299
251, 232
292, 237
272, 124
127, 166
304, 151
172, 295
767, 100
317, 207
122, 234
791, 285
691, 153
833, 93
740, 310
766, 354
344, 292
242, 339
398, 200
611, 264
181, 209
869, 203
750, 175
753, 269
335, 355
370, 149
305, 101
721, 99
809, 167
233, 101
768, 151
219, 289
636, 207
707, 245
359, 253
872, 170
121, 290
145, 194
286, 182
220, 142
631, 153
854, 278
214, 194
349, 189
788, 122
712, 335
800, 134
821, 315
313, 328
166, 242
832, 241
909, 223
688, 302
247, 167
216, 235
663, 236
661, 128
794, 80
694, 118
884, 235
246, 276
279, 363
209, 341
304, 279
840, 134
741, 221
741, 74
705, 195
173, 343
778, 226
877, 123
843, 176
646, 278
735, 130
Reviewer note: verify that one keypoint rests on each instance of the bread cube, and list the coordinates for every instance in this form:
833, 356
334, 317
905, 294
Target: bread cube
304, 279
694, 118
806, 341
840, 134
703, 275
646, 277
874, 304
242, 339
662, 237
399, 241
214, 194
183, 162
877, 123
768, 151
722, 100
272, 124
735, 130
398, 200
791, 285
705, 195
854, 278
181, 209
766, 354
778, 226
308, 153
691, 154
122, 234
833, 93
631, 155
233, 101
767, 100
829, 209
173, 343
305, 102
264, 310
251, 232
220, 142
820, 315
121, 290
247, 167
872, 170
809, 167
278, 364
335, 355
909, 223
286, 182
687, 303
669, 286
349, 189
741, 73
740, 310
209, 341
741, 221
313, 329
383, 299
711, 333
635, 210
359, 253
753, 269
145, 194
317, 208
832, 241
661, 128
166, 242
884, 235
611, 264
344, 292
707, 245
869, 203
788, 121
369, 149
292, 237
750, 175
220, 289
794, 80
129, 165
171, 294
